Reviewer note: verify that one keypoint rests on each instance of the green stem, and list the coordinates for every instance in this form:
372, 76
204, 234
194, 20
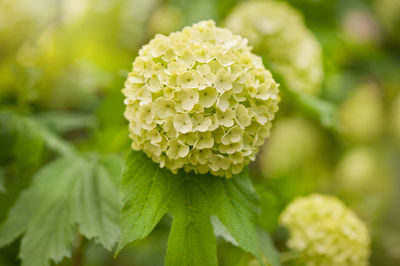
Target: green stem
77, 256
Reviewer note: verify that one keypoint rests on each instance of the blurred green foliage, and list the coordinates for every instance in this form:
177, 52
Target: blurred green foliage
63, 64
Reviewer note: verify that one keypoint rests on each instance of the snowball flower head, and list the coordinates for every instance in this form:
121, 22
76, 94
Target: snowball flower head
278, 33
326, 232
198, 99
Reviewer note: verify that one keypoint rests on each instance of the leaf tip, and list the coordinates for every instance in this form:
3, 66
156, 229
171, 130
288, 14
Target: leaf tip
121, 244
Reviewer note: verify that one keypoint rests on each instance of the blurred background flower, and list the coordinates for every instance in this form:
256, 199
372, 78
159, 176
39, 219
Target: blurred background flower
277, 33
325, 232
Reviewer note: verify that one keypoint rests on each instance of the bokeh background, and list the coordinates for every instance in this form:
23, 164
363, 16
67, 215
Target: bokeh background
63, 64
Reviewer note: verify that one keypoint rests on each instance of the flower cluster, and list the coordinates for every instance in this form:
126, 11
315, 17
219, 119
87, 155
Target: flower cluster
200, 100
326, 232
278, 33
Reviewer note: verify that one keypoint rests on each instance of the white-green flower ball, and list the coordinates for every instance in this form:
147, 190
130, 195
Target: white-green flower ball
278, 33
198, 99
326, 232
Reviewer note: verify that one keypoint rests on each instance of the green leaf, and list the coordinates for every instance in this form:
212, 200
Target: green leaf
95, 201
28, 140
145, 191
71, 192
191, 241
270, 252
221, 231
47, 239
148, 192
22, 135
62, 122
55, 143
237, 209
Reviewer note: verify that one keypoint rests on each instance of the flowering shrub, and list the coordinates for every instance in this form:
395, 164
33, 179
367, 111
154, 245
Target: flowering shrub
73, 191
326, 232
199, 99
277, 32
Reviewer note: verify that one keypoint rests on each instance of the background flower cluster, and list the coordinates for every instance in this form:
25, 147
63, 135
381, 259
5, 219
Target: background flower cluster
326, 232
277, 32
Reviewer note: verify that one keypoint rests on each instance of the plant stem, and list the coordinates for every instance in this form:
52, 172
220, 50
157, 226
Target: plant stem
77, 256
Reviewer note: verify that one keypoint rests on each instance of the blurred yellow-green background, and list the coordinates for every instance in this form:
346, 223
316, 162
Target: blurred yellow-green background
63, 64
